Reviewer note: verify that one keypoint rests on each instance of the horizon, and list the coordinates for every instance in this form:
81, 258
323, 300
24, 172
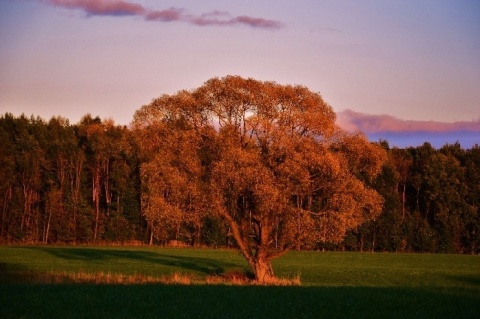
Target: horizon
357, 122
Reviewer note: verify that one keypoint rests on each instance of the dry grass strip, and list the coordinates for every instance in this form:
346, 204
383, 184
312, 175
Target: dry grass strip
233, 278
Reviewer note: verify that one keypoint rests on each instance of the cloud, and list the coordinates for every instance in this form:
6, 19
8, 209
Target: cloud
352, 121
223, 18
211, 18
406, 133
168, 15
101, 7
127, 8
257, 22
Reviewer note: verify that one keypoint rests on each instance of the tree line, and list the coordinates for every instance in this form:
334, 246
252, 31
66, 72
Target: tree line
238, 168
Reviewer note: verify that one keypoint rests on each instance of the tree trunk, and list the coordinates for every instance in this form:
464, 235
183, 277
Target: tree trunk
263, 271
47, 230
150, 242
374, 235
260, 260
6, 200
299, 230
96, 200
108, 194
75, 182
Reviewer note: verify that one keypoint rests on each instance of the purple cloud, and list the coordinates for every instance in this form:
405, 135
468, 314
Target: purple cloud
101, 7
403, 133
351, 121
257, 22
127, 8
168, 15
225, 19
211, 18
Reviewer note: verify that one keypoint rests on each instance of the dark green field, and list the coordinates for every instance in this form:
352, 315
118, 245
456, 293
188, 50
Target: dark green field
334, 285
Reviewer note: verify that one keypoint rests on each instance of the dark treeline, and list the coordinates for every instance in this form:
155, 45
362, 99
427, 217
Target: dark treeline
64, 183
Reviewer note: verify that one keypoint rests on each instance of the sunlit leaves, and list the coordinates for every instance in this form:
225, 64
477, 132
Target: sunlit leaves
267, 158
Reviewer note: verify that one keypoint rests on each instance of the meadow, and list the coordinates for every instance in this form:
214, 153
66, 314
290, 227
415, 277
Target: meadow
333, 284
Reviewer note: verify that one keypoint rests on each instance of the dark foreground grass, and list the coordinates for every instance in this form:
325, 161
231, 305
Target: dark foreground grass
171, 301
334, 285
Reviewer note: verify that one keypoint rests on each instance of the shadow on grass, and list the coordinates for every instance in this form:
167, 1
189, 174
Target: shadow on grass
13, 273
473, 281
178, 263
159, 301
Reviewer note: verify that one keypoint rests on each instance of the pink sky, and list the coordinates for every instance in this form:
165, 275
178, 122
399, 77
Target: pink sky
352, 121
412, 60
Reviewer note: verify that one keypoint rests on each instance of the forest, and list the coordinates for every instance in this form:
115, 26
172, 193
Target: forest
94, 182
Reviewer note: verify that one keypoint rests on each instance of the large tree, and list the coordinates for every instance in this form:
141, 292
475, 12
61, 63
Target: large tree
268, 159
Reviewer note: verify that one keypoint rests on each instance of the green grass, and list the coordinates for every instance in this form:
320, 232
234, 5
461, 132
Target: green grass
334, 285
122, 260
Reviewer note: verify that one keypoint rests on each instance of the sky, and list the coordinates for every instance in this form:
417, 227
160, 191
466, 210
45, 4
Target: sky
395, 69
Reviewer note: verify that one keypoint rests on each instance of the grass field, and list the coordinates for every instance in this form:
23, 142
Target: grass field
334, 285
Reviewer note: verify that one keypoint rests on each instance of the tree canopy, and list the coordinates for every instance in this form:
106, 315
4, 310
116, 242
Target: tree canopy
265, 157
